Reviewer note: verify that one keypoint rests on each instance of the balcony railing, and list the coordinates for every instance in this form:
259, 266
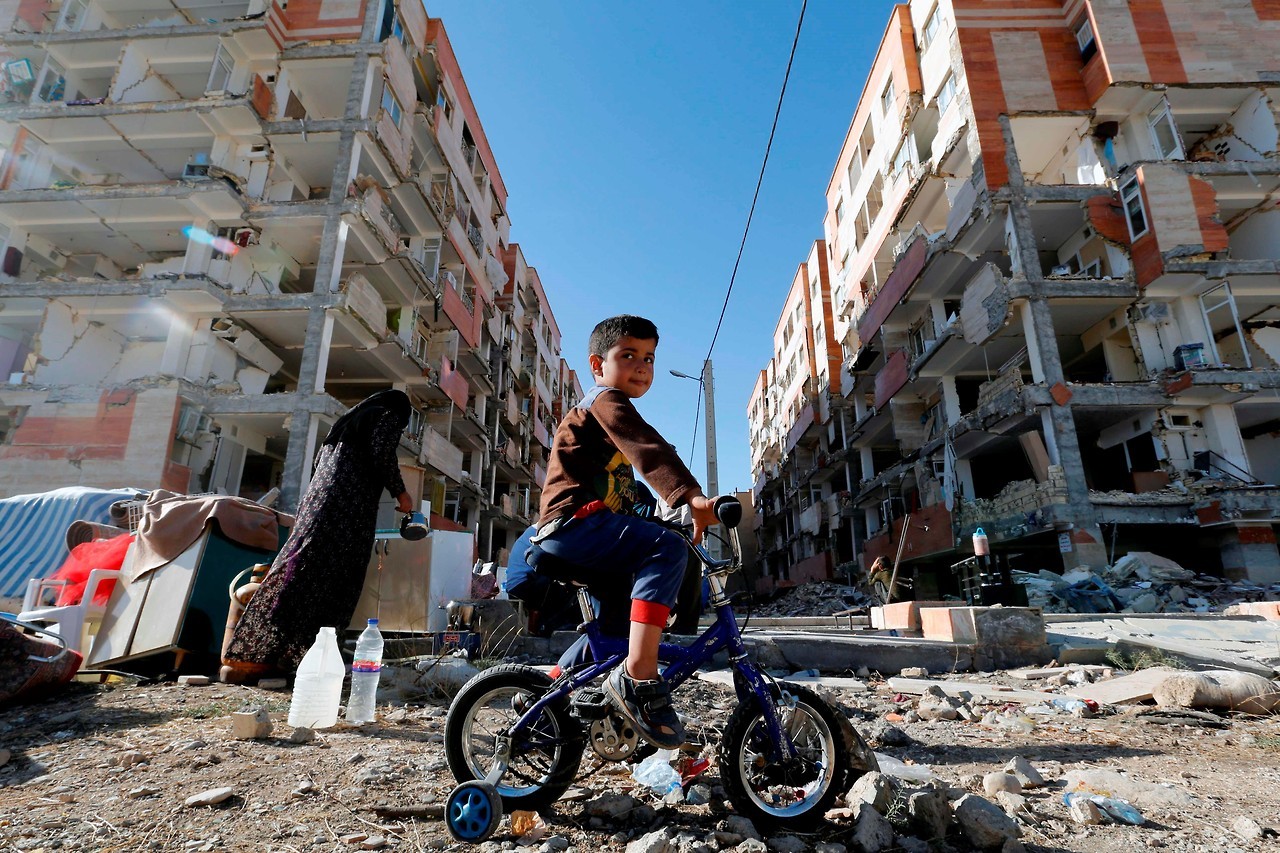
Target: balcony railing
476, 238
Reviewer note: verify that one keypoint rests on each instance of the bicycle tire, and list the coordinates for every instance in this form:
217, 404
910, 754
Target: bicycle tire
493, 685
746, 730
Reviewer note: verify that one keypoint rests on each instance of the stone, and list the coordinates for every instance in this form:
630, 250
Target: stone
132, 757
302, 734
787, 844
1247, 828
887, 734
1084, 811
699, 795
873, 788
940, 711
984, 823
658, 841
872, 832
914, 672
911, 844
829, 846
273, 683
211, 797
5, 755
1027, 774
1014, 805
139, 793
741, 826
752, 845
993, 783
193, 680
556, 842
250, 725
353, 837
613, 806
929, 813
373, 842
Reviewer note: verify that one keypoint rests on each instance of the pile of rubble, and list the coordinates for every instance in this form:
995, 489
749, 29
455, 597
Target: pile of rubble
821, 598
1139, 582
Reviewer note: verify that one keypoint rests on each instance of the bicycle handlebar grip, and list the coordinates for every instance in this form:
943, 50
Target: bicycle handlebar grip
729, 510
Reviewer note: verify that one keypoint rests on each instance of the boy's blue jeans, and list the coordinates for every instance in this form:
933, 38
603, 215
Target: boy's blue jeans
606, 542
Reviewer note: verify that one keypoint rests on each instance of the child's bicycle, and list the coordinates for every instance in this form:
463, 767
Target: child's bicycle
514, 737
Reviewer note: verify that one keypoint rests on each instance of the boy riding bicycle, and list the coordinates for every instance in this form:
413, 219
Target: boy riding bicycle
586, 500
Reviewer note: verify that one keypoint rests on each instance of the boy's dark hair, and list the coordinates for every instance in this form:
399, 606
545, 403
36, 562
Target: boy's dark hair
607, 333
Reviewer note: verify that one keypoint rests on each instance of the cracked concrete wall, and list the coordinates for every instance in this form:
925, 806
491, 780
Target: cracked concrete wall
72, 348
82, 436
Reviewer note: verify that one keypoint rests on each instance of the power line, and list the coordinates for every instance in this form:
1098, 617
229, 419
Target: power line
747, 229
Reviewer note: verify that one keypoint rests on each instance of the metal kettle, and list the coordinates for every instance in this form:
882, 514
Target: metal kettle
414, 526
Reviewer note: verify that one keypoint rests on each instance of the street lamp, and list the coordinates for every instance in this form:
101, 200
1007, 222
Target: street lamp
707, 381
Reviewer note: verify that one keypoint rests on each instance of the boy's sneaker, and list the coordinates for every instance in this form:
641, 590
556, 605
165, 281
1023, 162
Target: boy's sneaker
647, 705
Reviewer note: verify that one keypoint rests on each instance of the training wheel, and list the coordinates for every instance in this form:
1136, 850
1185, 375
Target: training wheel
472, 812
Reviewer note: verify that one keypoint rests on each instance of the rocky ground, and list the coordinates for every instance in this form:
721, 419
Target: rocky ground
156, 767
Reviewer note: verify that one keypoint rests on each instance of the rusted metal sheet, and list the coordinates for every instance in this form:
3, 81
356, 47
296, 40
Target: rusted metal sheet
985, 305
904, 274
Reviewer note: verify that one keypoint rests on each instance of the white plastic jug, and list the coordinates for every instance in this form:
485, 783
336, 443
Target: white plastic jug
317, 689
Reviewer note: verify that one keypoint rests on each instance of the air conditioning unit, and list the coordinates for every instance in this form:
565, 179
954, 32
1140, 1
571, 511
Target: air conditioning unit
190, 424
195, 172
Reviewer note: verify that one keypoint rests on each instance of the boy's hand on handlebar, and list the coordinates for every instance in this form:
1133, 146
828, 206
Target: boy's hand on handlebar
704, 515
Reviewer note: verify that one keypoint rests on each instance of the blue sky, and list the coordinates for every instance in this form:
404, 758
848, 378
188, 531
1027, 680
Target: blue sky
630, 135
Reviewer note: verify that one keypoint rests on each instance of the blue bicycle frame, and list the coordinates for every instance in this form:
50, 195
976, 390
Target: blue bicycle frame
680, 661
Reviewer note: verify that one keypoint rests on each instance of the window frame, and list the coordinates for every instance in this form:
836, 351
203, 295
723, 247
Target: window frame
1164, 113
949, 88
1131, 191
395, 110
929, 32
888, 97
1086, 39
222, 61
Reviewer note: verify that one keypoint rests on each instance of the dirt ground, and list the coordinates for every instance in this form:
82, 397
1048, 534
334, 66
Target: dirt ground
110, 767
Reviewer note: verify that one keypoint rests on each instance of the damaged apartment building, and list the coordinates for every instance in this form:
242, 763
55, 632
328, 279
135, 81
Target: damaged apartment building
223, 224
1047, 303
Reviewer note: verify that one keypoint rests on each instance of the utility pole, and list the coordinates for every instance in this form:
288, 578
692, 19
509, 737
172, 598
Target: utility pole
707, 381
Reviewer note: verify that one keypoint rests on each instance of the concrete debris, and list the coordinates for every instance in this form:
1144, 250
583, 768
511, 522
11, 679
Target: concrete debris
815, 599
994, 783
1237, 691
251, 724
874, 788
984, 823
872, 832
1112, 783
1139, 582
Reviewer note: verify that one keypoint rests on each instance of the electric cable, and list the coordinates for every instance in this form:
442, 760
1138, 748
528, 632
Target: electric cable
751, 212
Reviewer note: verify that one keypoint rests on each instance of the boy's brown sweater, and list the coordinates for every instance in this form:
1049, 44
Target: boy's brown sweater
593, 454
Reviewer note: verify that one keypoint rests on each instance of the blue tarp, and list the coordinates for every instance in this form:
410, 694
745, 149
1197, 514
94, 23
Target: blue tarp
33, 530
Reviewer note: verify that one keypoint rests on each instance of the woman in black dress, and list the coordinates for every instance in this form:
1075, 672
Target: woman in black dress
317, 577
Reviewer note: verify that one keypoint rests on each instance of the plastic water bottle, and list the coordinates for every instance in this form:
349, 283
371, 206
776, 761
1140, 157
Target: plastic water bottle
981, 544
365, 671
317, 688
657, 774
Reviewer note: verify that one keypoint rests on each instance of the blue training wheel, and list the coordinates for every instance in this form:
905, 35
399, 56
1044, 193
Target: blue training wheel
472, 812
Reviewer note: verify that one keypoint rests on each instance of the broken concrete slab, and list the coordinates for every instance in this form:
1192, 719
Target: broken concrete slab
1125, 690
981, 689
1050, 671
725, 676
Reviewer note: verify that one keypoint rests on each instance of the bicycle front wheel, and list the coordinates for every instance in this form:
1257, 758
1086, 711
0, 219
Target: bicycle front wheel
795, 792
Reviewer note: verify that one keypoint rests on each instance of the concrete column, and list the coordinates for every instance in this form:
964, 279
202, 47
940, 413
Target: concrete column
177, 345
1249, 553
1046, 367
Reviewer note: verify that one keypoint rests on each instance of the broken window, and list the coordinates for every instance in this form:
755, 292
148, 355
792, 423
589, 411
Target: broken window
220, 74
1135, 213
1084, 39
1164, 133
1218, 305
902, 157
840, 211
73, 14
51, 88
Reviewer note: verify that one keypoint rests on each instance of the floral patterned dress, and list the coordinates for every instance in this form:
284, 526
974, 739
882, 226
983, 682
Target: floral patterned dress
317, 577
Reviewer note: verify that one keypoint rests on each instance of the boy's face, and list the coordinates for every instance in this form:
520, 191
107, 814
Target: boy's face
627, 366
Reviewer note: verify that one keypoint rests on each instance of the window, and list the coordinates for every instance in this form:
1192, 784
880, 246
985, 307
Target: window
399, 33
390, 105
1134, 212
52, 86
902, 158
886, 98
1084, 38
840, 212
946, 93
73, 14
930, 31
220, 74
1163, 132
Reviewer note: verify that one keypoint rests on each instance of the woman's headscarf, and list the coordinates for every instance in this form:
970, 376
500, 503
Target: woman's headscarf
358, 423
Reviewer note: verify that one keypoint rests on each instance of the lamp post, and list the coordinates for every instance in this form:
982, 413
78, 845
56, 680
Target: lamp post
707, 381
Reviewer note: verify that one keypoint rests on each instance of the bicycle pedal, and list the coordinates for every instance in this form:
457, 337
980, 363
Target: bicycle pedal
591, 705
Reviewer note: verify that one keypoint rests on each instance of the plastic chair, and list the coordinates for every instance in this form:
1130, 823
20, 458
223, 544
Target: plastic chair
74, 623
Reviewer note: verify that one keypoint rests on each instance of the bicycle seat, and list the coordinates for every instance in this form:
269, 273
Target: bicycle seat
556, 569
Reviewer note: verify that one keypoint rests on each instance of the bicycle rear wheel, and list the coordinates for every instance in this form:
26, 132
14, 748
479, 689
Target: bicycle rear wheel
797, 792
543, 763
